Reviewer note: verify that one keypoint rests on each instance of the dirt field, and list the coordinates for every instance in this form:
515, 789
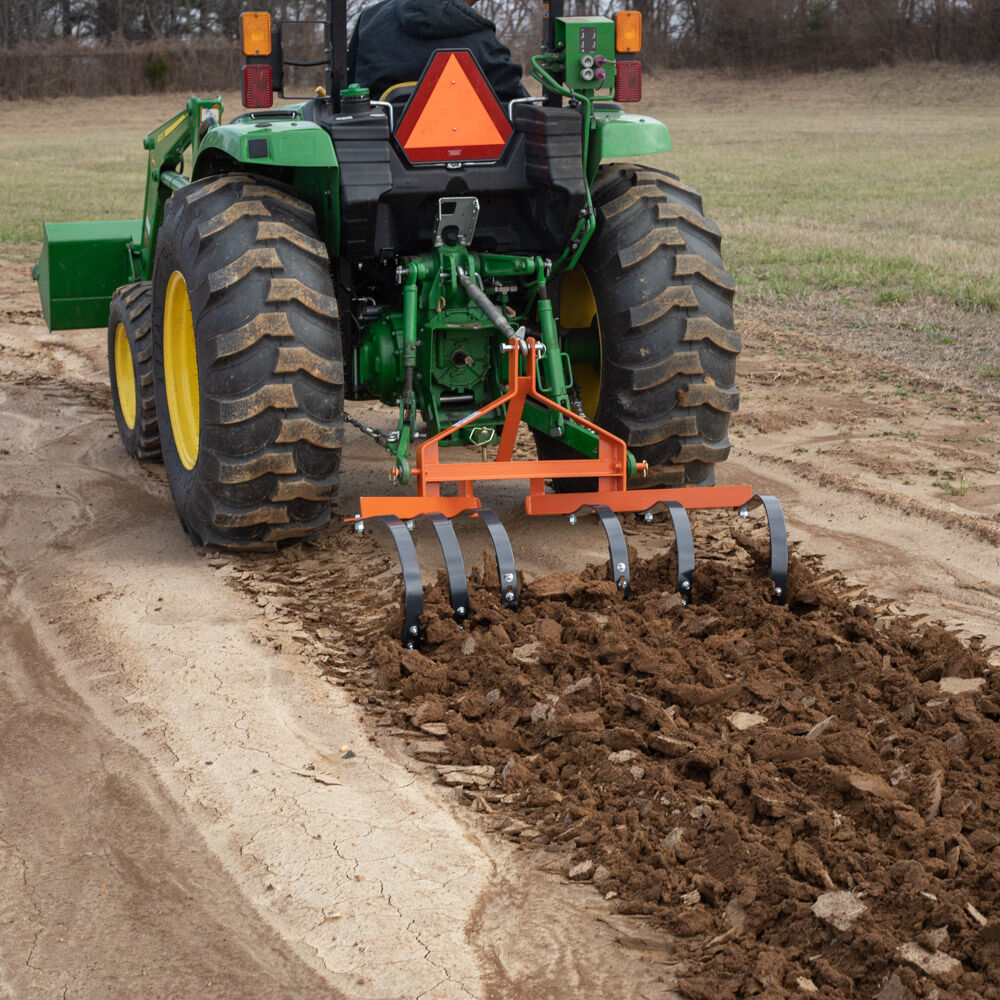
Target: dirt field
224, 778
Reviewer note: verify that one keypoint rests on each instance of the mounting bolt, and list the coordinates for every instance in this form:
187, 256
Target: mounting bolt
359, 527
414, 630
685, 584
460, 610
648, 517
509, 595
778, 591
508, 578
620, 568
572, 519
744, 512
409, 645
409, 526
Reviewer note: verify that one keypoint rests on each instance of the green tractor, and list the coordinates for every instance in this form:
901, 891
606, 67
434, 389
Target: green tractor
405, 247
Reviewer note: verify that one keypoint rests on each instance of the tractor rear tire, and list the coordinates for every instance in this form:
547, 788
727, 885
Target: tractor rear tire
130, 365
247, 362
652, 277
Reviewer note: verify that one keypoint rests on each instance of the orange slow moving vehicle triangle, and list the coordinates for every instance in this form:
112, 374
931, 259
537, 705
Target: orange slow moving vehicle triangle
453, 114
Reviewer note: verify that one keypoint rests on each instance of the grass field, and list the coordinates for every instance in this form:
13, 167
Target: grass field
844, 194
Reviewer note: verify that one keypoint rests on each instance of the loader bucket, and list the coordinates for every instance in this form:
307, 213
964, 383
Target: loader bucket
82, 264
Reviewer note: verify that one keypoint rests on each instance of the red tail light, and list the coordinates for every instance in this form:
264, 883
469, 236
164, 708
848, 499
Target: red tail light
628, 81
258, 89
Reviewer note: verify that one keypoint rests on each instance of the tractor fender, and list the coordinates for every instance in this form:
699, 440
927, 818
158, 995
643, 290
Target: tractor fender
255, 144
620, 136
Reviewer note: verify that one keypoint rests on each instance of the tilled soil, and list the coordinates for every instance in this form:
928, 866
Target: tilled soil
805, 795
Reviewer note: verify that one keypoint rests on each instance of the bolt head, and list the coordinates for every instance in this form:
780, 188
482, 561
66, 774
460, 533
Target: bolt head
620, 567
414, 630
648, 518
460, 610
778, 591
409, 645
685, 584
508, 578
359, 527
572, 519
409, 526
744, 512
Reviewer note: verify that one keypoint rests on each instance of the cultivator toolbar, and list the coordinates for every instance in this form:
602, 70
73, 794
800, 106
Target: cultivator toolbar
609, 467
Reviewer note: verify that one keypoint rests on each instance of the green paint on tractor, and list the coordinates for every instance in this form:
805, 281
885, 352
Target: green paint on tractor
323, 265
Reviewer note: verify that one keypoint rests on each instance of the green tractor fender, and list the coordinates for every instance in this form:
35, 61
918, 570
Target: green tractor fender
260, 144
295, 151
619, 136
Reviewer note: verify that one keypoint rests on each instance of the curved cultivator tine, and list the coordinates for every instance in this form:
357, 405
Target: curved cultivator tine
458, 583
685, 544
413, 585
618, 550
506, 567
779, 541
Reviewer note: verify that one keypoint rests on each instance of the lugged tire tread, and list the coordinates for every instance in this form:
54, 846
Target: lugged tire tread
142, 442
256, 259
231, 214
301, 359
669, 346
293, 290
252, 332
270, 373
635, 253
704, 328
681, 363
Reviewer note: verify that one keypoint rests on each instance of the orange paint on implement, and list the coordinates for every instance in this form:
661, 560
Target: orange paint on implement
609, 467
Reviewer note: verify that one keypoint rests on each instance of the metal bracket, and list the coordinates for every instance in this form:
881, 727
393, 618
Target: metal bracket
506, 567
685, 544
458, 583
617, 549
413, 585
462, 213
778, 540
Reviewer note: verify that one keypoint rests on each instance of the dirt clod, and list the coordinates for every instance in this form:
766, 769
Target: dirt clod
785, 782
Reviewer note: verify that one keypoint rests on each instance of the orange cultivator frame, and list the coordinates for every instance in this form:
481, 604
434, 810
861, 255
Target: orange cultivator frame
609, 468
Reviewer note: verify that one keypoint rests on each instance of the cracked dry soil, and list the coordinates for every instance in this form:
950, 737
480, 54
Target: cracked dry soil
209, 790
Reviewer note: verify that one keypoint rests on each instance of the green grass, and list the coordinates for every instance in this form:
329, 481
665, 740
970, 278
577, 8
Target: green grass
882, 186
875, 188
75, 159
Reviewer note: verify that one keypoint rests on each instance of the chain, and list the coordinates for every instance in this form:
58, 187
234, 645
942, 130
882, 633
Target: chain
378, 436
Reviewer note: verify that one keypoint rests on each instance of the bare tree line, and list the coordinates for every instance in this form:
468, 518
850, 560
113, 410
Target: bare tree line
747, 34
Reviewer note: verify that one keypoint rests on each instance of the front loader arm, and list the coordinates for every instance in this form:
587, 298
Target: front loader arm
167, 146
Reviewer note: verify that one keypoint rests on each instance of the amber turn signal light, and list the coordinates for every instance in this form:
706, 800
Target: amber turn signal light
255, 33
628, 31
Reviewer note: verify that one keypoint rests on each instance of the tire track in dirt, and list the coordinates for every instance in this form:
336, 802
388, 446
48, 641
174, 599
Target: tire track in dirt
103, 885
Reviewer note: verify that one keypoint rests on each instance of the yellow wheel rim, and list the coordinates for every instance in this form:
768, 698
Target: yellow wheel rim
124, 376
578, 309
180, 370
